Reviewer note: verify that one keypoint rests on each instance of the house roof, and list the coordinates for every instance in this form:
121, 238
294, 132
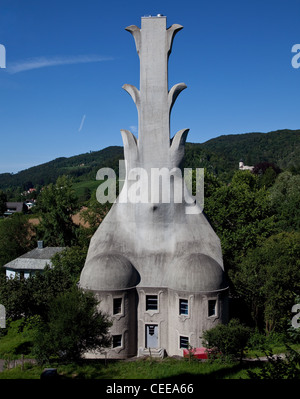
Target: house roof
36, 259
15, 206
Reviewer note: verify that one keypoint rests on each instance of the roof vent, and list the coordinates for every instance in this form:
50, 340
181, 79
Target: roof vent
40, 244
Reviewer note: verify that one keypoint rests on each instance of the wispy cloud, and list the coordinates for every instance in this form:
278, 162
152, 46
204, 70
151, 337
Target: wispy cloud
133, 128
82, 122
43, 62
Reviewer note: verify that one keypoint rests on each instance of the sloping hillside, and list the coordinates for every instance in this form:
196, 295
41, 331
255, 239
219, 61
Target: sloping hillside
220, 155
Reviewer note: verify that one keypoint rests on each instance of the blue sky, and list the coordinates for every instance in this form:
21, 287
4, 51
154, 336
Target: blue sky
66, 63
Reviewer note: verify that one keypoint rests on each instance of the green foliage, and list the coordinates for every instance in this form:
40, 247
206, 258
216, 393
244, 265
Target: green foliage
3, 200
74, 326
16, 237
241, 215
80, 167
28, 297
18, 338
139, 369
94, 214
281, 147
84, 189
60, 278
268, 279
219, 156
57, 204
285, 198
266, 172
229, 340
70, 261
277, 367
15, 296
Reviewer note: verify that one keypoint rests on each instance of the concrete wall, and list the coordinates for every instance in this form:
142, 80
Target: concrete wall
196, 321
124, 323
159, 316
131, 322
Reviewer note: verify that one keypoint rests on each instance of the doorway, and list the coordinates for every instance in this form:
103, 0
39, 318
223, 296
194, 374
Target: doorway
151, 336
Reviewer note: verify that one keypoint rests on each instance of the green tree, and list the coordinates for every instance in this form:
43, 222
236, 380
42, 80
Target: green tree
277, 367
241, 215
285, 198
57, 204
28, 297
61, 277
16, 237
230, 339
74, 326
71, 261
94, 214
269, 280
266, 172
16, 296
3, 200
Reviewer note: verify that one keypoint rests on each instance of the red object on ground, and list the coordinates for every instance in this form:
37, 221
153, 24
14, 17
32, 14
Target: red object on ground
199, 353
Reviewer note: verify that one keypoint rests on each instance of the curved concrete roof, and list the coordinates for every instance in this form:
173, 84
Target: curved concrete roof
196, 273
109, 272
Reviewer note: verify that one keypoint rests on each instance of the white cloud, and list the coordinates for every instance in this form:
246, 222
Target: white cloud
42, 62
82, 122
133, 128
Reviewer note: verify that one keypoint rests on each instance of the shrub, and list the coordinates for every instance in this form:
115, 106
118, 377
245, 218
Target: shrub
229, 340
74, 326
287, 367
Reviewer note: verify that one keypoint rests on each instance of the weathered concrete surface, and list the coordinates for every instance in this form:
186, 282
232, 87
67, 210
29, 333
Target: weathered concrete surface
162, 245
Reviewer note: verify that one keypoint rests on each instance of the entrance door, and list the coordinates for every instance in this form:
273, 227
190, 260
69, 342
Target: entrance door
151, 336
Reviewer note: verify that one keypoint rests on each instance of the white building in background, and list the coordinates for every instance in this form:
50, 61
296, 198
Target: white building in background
28, 264
242, 166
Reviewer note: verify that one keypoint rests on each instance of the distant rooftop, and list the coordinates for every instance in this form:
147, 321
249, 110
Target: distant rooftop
36, 259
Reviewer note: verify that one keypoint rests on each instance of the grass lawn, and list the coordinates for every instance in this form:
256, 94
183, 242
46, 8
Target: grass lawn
19, 338
80, 186
16, 342
138, 369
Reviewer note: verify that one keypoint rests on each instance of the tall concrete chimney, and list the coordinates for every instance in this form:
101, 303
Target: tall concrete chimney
153, 249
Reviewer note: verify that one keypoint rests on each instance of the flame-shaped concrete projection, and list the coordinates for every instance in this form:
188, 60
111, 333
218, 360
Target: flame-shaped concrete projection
155, 265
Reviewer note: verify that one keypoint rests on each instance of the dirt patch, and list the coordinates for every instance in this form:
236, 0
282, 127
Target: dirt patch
76, 219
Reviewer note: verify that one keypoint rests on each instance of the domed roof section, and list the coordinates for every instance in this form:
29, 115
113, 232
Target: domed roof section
109, 272
196, 273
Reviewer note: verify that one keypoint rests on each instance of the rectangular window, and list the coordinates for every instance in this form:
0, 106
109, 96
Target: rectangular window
151, 302
212, 307
184, 342
116, 341
183, 306
117, 305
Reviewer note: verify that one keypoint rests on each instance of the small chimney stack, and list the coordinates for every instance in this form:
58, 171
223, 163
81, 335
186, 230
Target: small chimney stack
40, 244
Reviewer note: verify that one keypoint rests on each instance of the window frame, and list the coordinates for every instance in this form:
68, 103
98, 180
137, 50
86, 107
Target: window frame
215, 314
183, 337
119, 337
120, 307
150, 309
181, 313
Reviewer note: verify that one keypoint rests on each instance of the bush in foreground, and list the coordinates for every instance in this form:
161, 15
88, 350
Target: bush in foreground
229, 340
74, 326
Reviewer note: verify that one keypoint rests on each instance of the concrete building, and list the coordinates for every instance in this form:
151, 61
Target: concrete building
156, 265
31, 262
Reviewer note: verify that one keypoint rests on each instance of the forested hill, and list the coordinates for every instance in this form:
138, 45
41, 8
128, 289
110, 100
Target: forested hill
78, 166
220, 155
